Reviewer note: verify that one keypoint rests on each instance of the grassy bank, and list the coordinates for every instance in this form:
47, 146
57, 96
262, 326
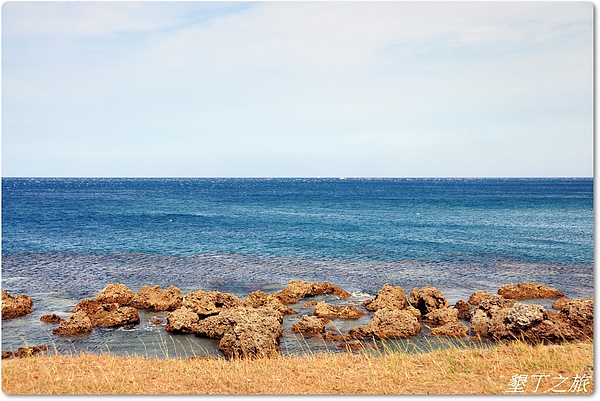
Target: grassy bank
453, 371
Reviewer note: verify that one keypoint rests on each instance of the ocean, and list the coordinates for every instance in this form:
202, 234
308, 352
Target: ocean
65, 239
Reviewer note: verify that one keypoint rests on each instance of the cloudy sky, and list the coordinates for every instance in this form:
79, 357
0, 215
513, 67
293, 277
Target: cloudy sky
371, 89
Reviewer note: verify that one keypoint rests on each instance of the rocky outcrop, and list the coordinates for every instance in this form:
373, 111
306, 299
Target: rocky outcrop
440, 317
297, 289
259, 299
76, 324
209, 303
579, 315
244, 332
478, 296
52, 318
323, 309
18, 306
310, 325
388, 323
116, 293
24, 352
182, 320
528, 291
107, 315
450, 329
427, 299
157, 299
388, 297
464, 309
506, 321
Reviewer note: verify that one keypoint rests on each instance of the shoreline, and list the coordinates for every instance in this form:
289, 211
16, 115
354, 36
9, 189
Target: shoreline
488, 370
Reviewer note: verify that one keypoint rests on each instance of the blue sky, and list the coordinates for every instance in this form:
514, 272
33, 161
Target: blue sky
290, 89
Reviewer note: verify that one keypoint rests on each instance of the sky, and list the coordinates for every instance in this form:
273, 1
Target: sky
297, 89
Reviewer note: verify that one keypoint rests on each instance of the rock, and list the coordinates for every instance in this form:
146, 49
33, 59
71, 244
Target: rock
259, 299
496, 301
24, 352
210, 303
464, 310
330, 336
528, 291
244, 332
77, 323
311, 303
310, 325
157, 299
53, 318
478, 296
579, 315
13, 307
388, 297
299, 289
116, 293
159, 321
440, 317
413, 311
451, 329
561, 303
388, 323
244, 343
323, 309
462, 305
518, 321
182, 320
427, 299
107, 315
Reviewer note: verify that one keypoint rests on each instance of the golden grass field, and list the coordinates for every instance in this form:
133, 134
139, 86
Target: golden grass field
487, 370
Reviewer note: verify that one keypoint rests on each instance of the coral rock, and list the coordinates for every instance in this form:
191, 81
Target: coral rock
299, 289
107, 315
478, 296
259, 299
116, 293
462, 305
182, 320
528, 291
323, 309
24, 352
451, 329
464, 309
427, 299
157, 299
440, 317
388, 323
519, 321
388, 297
579, 315
77, 323
310, 325
210, 303
53, 318
244, 332
18, 306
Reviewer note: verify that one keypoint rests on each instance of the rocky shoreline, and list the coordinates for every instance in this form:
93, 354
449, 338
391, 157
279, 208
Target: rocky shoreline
252, 327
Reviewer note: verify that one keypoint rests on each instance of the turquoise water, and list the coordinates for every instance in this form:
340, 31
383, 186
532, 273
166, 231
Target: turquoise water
65, 239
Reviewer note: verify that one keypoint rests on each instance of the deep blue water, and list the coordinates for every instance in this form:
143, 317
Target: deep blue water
65, 239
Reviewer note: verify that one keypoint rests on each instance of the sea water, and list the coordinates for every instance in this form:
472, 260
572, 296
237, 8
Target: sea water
64, 240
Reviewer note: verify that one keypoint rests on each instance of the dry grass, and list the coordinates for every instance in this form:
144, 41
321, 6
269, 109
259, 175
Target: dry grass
452, 371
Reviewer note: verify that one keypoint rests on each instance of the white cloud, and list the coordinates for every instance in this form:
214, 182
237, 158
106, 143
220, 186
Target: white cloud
299, 80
